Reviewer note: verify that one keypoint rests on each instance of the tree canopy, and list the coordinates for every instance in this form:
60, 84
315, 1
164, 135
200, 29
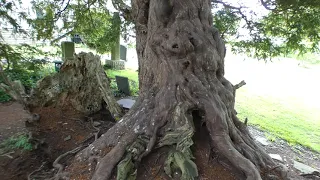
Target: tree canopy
285, 27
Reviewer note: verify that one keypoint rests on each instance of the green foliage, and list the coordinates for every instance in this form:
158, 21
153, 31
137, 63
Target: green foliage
107, 66
130, 74
114, 88
6, 18
101, 33
22, 56
126, 169
134, 88
299, 28
44, 24
289, 27
28, 79
227, 22
92, 21
20, 141
4, 97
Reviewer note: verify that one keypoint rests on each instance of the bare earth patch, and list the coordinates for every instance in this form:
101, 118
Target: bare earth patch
12, 117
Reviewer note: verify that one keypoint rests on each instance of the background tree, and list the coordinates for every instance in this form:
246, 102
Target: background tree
18, 61
91, 20
286, 27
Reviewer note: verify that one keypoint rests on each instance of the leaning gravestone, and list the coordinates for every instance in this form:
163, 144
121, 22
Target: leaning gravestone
123, 85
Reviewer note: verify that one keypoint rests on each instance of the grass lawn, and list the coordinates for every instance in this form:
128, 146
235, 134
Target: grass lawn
130, 74
310, 58
286, 118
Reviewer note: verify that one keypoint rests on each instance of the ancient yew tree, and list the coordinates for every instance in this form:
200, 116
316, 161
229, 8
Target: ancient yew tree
181, 72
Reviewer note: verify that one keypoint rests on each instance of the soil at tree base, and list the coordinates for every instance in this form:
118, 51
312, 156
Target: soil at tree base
151, 167
57, 123
12, 117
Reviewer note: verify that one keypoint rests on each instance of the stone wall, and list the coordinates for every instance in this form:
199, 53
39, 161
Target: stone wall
118, 65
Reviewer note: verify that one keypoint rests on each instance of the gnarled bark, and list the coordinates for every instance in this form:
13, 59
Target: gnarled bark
181, 71
82, 81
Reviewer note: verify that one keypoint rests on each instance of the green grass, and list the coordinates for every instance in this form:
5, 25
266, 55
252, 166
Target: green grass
20, 141
284, 118
130, 74
309, 58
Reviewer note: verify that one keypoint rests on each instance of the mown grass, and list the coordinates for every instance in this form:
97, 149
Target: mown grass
130, 74
309, 58
284, 118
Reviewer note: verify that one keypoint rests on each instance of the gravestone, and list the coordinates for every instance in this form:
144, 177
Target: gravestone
67, 50
57, 65
123, 53
76, 39
123, 85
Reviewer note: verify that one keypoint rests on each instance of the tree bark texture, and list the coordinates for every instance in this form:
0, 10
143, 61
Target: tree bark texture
181, 70
82, 82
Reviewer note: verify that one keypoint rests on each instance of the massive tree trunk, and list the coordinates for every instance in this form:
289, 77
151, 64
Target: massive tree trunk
181, 59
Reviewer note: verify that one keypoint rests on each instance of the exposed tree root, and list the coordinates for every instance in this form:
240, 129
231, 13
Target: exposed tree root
37, 170
96, 134
8, 154
60, 174
232, 142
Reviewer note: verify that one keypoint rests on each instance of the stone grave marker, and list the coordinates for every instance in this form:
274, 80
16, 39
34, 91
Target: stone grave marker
123, 85
67, 50
123, 53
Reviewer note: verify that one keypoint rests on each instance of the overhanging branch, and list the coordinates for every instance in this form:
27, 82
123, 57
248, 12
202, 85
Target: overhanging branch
62, 36
226, 5
123, 8
239, 85
62, 10
266, 5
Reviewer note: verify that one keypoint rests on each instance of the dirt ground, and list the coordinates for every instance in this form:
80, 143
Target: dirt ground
12, 117
61, 129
